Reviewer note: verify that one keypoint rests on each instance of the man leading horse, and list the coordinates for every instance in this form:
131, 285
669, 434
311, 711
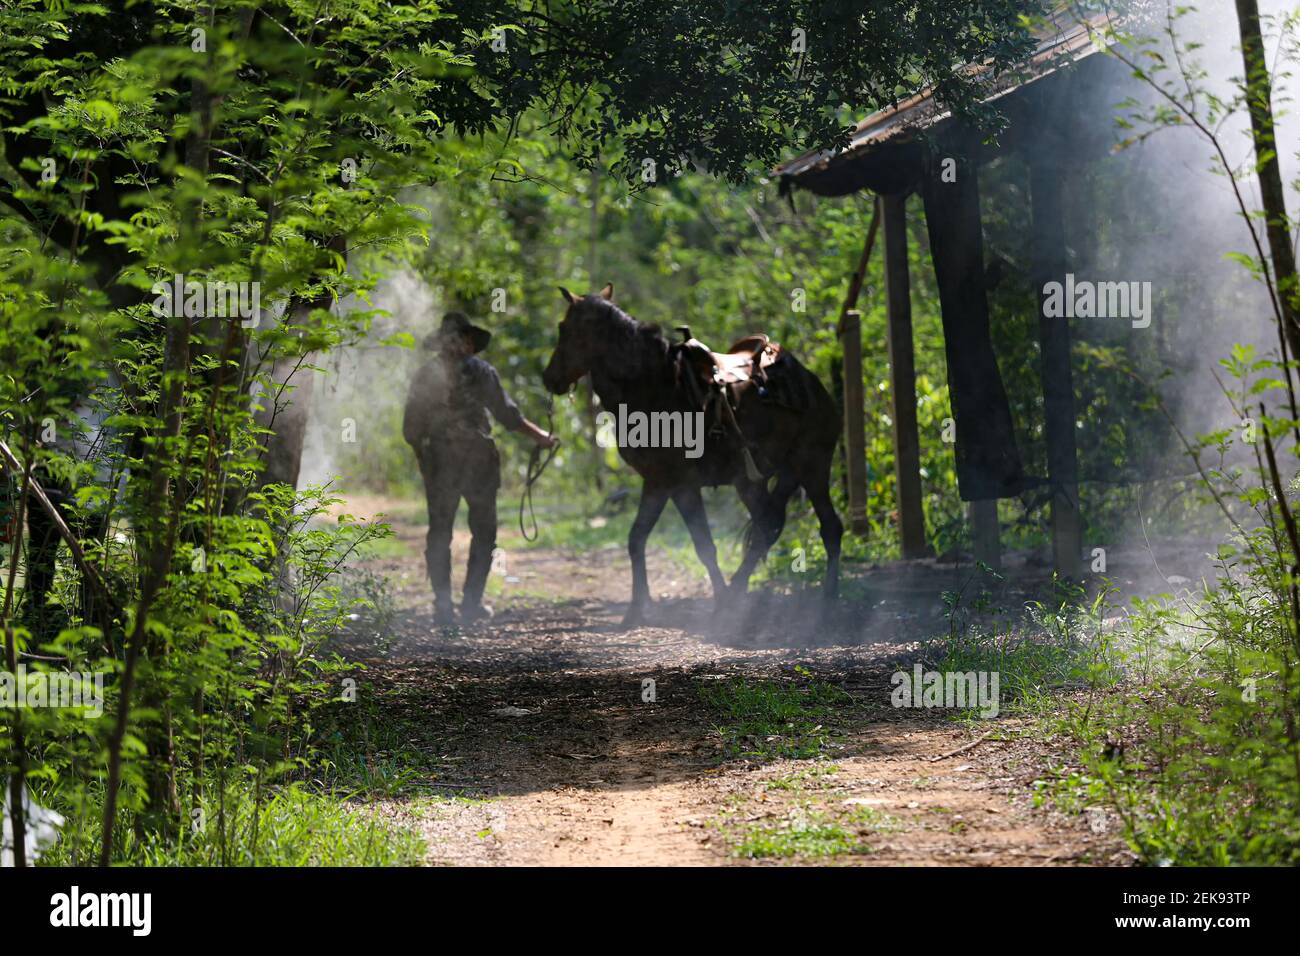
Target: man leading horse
446, 423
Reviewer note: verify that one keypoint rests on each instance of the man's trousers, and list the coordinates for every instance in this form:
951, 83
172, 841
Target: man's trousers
468, 468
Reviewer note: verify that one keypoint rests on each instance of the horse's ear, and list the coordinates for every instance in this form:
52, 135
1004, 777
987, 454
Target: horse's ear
607, 293
569, 297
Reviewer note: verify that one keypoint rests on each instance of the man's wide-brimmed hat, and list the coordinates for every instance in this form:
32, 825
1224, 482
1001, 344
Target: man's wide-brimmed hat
458, 324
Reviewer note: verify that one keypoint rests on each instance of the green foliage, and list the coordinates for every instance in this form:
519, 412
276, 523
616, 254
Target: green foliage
142, 144
1202, 757
1198, 748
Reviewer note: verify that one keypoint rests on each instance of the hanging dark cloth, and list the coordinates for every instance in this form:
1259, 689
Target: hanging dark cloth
988, 461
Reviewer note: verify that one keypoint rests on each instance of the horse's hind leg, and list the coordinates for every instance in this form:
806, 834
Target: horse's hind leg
690, 503
648, 511
767, 519
817, 485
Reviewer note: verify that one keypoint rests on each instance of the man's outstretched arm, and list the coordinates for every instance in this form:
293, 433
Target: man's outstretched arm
505, 411
538, 435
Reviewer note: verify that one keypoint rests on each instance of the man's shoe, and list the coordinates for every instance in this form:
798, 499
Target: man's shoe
470, 613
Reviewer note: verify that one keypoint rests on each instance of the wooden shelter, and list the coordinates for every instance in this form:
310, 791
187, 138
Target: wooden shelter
917, 146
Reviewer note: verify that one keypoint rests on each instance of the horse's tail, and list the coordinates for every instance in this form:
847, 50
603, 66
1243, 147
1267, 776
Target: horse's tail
747, 534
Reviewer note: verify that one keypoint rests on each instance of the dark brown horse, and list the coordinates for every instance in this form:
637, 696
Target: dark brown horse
635, 369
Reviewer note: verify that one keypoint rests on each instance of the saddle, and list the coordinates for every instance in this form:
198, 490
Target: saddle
744, 362
715, 381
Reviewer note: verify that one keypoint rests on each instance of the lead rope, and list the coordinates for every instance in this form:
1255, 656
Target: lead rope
536, 465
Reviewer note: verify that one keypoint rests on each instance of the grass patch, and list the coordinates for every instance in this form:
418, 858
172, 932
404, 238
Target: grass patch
771, 719
292, 826
1198, 771
1195, 750
802, 779
1064, 645
375, 746
812, 833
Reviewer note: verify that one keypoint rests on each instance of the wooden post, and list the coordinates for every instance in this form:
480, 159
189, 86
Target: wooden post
902, 371
855, 450
984, 532
855, 429
1049, 264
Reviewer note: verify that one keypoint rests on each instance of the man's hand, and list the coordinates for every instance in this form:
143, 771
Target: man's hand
541, 438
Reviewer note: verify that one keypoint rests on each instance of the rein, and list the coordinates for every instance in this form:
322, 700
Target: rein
536, 465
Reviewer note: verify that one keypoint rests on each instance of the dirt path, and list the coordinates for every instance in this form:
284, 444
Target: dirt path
540, 744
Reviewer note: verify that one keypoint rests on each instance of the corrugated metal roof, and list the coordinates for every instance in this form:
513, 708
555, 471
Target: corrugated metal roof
1063, 39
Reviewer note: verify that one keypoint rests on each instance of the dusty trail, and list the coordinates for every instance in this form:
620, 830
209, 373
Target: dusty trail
546, 752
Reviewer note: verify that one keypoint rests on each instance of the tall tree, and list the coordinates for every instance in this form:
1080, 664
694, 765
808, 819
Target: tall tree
1277, 226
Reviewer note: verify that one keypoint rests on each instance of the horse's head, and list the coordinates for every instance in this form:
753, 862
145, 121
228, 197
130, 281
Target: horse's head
584, 336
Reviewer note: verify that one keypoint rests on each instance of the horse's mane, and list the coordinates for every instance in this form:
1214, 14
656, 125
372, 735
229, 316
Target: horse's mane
639, 343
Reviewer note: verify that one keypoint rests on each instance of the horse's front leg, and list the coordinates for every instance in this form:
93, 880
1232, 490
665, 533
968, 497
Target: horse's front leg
690, 502
648, 511
767, 519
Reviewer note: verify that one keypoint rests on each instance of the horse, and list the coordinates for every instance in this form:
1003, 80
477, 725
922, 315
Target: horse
766, 448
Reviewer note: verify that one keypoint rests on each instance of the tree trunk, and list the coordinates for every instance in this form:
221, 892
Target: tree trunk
1259, 100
